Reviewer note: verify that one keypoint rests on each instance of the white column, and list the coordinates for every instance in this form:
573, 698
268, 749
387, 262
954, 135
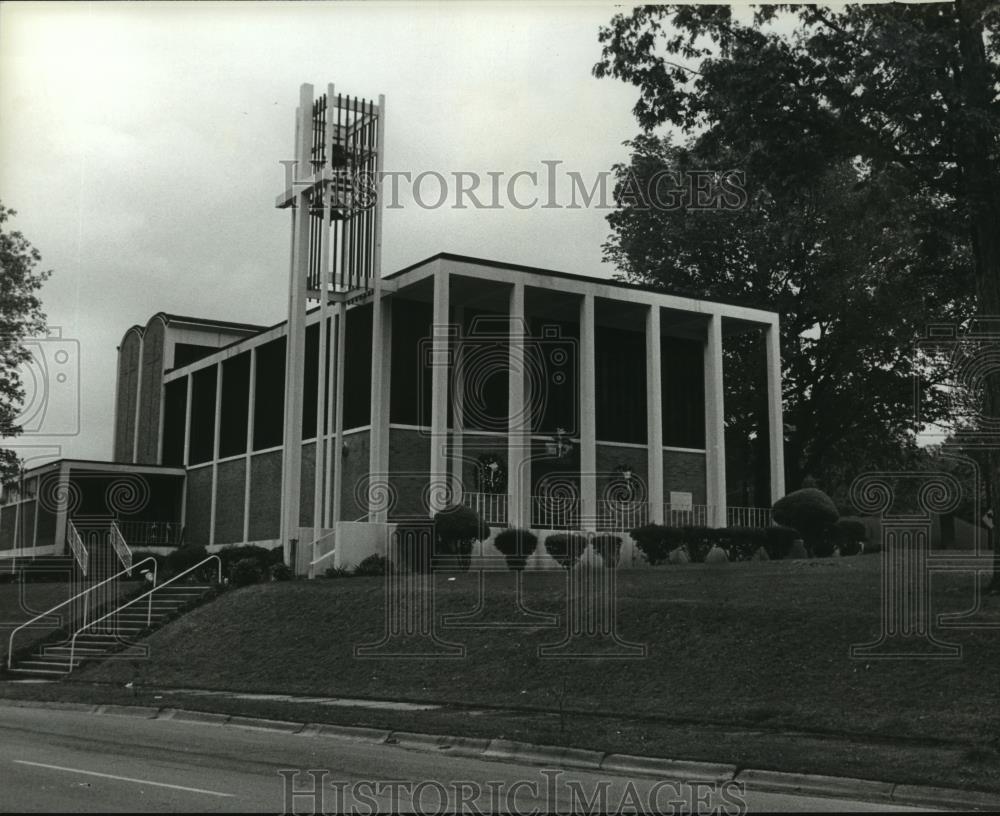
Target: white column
187, 444
439, 390
251, 406
215, 451
654, 416
457, 407
588, 415
715, 437
378, 451
291, 471
776, 422
518, 422
336, 459
62, 512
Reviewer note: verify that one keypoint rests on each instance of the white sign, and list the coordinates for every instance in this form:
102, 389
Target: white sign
680, 500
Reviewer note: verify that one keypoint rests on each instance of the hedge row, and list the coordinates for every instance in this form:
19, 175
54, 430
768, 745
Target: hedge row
657, 541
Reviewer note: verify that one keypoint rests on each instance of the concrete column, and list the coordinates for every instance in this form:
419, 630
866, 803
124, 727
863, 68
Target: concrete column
336, 459
440, 336
588, 418
138, 402
187, 444
775, 418
251, 405
378, 452
62, 514
654, 416
518, 421
291, 473
215, 451
457, 407
715, 427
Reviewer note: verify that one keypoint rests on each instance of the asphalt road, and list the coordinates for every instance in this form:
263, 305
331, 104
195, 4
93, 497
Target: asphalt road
79, 762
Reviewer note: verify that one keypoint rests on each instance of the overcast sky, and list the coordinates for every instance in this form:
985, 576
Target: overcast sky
140, 145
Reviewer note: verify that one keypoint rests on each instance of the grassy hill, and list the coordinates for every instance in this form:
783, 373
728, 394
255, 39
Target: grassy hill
761, 644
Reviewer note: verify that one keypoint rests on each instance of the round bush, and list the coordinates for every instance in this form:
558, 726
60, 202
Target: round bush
850, 534
455, 529
566, 548
812, 513
374, 564
280, 572
609, 547
246, 571
516, 545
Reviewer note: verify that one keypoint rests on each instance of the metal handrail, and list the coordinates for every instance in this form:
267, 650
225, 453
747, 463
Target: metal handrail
315, 543
76, 545
149, 595
10, 642
121, 547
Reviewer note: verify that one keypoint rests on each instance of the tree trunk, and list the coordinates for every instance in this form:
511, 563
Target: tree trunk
977, 156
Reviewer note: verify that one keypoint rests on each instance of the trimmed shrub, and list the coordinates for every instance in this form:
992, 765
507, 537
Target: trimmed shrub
455, 528
609, 547
656, 541
336, 572
716, 555
699, 541
280, 572
374, 564
246, 571
812, 513
516, 545
743, 542
850, 534
778, 541
566, 548
798, 549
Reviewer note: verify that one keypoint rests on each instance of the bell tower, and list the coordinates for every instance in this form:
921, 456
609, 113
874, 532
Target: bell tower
335, 260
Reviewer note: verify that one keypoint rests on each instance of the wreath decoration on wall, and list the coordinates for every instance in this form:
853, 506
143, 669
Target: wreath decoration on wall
491, 475
624, 482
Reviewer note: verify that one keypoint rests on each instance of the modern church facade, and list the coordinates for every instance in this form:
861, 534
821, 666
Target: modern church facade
541, 399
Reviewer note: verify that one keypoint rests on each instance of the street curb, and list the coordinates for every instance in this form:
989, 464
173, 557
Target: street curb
139, 712
357, 733
678, 769
509, 751
186, 715
502, 750
266, 725
944, 798
816, 783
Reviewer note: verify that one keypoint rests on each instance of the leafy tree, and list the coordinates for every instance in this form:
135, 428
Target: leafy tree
891, 107
21, 317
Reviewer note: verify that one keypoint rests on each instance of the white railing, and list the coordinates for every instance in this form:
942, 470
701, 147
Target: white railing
77, 547
555, 512
151, 533
78, 596
749, 517
621, 516
690, 515
492, 507
147, 595
121, 548
316, 559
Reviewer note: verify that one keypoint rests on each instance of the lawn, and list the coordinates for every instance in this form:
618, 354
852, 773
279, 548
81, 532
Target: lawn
21, 602
762, 645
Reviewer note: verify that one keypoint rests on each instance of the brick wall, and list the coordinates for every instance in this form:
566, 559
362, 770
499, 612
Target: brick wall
355, 470
409, 466
684, 471
197, 516
230, 491
265, 496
